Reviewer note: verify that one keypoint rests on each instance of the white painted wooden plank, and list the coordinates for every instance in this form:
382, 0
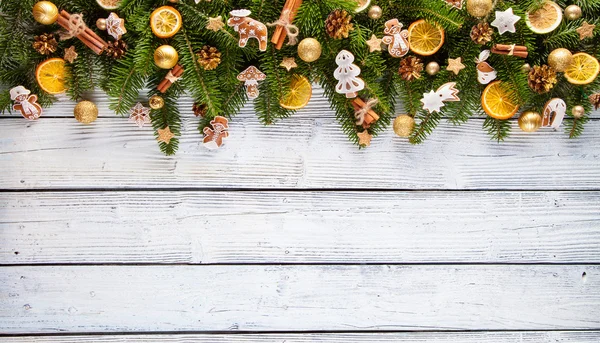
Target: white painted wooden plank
302, 152
299, 227
298, 298
403, 337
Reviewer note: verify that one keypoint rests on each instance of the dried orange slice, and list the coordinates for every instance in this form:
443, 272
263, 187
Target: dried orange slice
109, 4
299, 94
583, 70
165, 22
362, 5
497, 101
425, 39
51, 75
545, 19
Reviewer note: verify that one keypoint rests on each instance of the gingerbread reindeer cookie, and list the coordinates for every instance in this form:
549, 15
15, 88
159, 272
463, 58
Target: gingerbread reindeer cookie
26, 103
248, 28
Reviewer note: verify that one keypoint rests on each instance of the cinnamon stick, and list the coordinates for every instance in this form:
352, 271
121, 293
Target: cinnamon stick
521, 54
510, 47
96, 44
371, 116
165, 84
279, 28
88, 33
295, 6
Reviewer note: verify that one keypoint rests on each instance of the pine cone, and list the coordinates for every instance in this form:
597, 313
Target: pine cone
338, 24
595, 100
116, 49
209, 57
199, 110
411, 68
482, 33
542, 79
45, 44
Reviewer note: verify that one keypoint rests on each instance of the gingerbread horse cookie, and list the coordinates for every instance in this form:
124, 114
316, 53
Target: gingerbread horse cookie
26, 103
248, 28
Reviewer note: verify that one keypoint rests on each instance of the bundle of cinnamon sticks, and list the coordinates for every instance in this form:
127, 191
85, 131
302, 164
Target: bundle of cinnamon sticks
513, 50
173, 74
87, 36
290, 9
371, 116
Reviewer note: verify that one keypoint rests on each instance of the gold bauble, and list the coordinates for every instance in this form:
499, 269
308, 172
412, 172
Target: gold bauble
578, 111
375, 12
101, 24
404, 125
573, 12
479, 8
560, 59
530, 121
526, 68
86, 112
45, 12
166, 57
432, 68
309, 49
156, 102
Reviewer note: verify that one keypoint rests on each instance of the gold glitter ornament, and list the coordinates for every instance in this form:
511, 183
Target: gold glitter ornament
578, 111
86, 112
156, 102
309, 50
101, 24
166, 57
573, 12
375, 12
560, 59
432, 68
479, 8
530, 121
45, 12
404, 125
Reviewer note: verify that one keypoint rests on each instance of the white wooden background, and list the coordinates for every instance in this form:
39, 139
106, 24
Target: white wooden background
291, 234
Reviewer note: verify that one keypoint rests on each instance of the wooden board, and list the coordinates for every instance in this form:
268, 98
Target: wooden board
299, 227
402, 337
298, 298
303, 152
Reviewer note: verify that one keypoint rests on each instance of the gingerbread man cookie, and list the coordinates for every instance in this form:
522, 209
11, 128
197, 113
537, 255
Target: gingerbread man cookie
26, 103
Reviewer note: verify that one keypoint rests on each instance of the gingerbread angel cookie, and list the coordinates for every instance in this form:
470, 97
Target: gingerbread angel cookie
26, 103
396, 39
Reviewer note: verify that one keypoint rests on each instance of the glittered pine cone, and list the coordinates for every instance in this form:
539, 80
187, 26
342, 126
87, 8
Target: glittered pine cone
542, 78
45, 43
482, 33
410, 68
338, 24
209, 57
199, 110
595, 100
116, 49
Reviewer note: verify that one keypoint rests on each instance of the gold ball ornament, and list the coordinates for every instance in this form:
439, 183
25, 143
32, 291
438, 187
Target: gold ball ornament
578, 111
479, 8
573, 12
526, 68
432, 68
560, 59
86, 112
404, 125
45, 12
101, 24
156, 102
309, 50
530, 121
166, 57
375, 12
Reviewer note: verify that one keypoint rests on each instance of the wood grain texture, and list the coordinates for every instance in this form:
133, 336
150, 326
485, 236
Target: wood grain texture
299, 227
297, 298
302, 152
403, 337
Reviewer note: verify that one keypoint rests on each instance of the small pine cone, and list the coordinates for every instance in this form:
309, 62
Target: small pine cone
338, 24
595, 100
482, 33
410, 68
542, 78
209, 57
199, 110
116, 49
45, 43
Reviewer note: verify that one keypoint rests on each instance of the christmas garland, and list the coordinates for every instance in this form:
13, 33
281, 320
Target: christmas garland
444, 59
